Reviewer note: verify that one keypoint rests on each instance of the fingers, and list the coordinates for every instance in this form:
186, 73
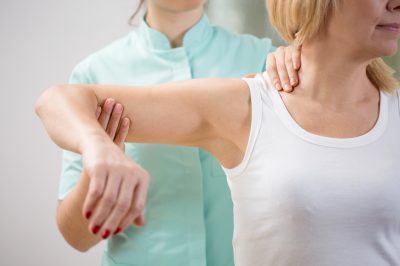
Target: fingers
120, 209
122, 133
96, 187
292, 73
272, 71
109, 118
276, 70
105, 206
140, 197
98, 112
135, 214
106, 111
297, 57
115, 213
293, 65
113, 122
139, 221
283, 66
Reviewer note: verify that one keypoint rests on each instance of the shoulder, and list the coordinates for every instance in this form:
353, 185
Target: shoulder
261, 88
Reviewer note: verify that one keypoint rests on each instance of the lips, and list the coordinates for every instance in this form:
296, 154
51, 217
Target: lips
393, 27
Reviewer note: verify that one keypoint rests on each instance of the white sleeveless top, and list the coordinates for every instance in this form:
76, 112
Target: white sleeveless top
305, 200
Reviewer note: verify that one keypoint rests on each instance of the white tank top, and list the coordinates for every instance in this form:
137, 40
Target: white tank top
305, 200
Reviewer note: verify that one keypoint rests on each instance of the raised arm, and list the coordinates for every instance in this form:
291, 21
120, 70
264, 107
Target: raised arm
184, 113
211, 113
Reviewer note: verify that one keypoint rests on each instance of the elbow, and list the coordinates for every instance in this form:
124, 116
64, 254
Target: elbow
44, 99
73, 238
81, 248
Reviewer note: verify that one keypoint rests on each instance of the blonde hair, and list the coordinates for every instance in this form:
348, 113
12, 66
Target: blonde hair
299, 20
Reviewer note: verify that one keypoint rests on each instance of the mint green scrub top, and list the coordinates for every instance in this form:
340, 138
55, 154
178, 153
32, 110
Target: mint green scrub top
189, 219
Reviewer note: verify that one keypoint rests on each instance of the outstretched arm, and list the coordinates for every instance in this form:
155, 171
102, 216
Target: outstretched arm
185, 113
211, 113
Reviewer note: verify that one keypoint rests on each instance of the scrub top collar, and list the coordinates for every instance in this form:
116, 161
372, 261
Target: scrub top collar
158, 41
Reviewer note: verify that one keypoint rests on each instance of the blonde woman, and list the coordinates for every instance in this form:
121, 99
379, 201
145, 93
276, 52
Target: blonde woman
335, 203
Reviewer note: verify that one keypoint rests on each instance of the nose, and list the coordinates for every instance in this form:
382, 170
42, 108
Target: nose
393, 5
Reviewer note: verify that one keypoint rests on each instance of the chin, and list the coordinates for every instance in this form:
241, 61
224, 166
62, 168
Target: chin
186, 5
389, 49
382, 48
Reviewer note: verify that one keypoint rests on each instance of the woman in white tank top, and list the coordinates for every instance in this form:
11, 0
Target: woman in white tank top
314, 175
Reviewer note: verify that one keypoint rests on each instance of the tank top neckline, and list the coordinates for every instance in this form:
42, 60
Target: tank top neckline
372, 135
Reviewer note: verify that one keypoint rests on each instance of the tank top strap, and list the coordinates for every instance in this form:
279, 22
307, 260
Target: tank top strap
255, 86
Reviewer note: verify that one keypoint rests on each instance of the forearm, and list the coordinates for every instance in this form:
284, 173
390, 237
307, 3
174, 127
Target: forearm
71, 223
68, 115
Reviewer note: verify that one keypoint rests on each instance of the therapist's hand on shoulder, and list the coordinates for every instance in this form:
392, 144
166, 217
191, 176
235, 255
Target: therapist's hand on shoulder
118, 186
282, 67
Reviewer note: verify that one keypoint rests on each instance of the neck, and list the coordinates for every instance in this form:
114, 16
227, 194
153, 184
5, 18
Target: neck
173, 24
330, 76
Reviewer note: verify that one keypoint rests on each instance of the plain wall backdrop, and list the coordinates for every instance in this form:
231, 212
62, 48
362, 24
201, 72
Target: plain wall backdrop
41, 41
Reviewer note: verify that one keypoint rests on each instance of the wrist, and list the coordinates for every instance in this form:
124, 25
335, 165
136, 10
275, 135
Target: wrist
92, 138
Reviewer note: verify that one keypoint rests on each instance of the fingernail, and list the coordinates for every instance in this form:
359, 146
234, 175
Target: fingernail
88, 214
110, 101
287, 86
95, 229
118, 107
278, 86
293, 81
117, 231
105, 234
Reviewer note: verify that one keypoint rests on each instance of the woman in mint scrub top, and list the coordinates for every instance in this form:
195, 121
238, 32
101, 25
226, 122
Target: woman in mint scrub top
189, 210
335, 203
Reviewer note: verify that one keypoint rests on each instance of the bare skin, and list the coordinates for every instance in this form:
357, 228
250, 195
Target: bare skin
191, 129
215, 114
73, 212
71, 223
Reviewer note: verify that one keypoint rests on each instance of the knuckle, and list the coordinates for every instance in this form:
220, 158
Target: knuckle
122, 206
140, 206
280, 64
270, 57
97, 167
280, 49
282, 74
95, 192
108, 200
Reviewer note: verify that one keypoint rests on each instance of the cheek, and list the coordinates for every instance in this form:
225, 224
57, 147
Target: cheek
360, 17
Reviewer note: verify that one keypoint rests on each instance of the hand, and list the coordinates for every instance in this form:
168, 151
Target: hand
118, 186
110, 118
282, 67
